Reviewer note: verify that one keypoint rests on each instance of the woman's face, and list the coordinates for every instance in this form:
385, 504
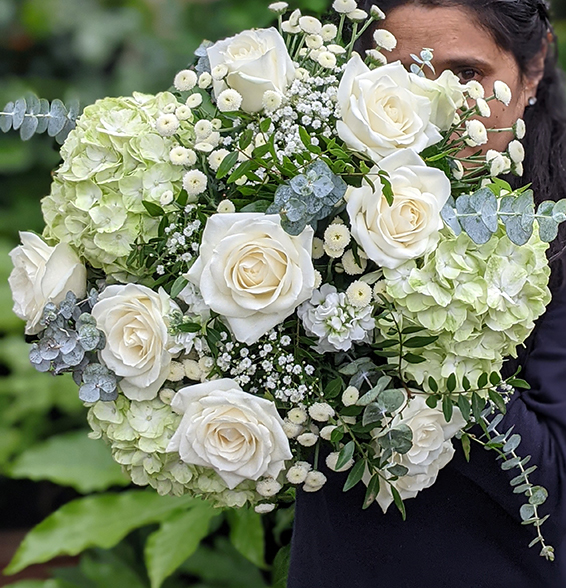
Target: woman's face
460, 44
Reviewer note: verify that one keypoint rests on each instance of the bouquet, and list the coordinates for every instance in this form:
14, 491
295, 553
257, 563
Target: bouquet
296, 253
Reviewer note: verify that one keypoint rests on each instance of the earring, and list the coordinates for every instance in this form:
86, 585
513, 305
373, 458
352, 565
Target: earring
532, 100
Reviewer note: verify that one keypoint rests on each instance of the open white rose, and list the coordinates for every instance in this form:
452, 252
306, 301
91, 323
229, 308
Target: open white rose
252, 272
432, 448
381, 112
257, 61
43, 274
137, 339
391, 235
237, 434
446, 95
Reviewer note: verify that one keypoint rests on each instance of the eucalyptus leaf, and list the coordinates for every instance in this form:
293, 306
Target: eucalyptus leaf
19, 113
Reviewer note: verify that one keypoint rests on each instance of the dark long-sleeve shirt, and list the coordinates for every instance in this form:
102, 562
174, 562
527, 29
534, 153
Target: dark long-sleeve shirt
464, 531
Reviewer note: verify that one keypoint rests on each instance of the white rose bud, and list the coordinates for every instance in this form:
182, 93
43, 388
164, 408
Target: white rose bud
350, 396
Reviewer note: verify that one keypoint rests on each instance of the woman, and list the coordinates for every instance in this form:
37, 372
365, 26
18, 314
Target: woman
465, 531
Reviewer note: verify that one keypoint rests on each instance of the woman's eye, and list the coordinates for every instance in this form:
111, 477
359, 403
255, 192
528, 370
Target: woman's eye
467, 75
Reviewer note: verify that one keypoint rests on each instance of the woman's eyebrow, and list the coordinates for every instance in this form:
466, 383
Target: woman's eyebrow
454, 63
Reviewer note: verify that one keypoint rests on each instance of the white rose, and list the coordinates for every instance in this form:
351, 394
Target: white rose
43, 274
391, 235
137, 340
381, 112
432, 448
446, 95
238, 435
257, 61
252, 272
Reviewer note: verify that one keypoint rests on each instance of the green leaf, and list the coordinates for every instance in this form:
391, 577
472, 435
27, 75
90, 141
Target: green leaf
451, 383
227, 164
464, 406
178, 286
305, 137
482, 381
527, 512
94, 521
398, 502
345, 455
432, 401
494, 378
466, 446
281, 567
538, 496
512, 443
412, 358
72, 460
497, 399
415, 342
177, 539
519, 383
333, 388
398, 470
432, 384
246, 139
372, 491
153, 209
247, 534
355, 475
264, 125
447, 408
478, 404
256, 206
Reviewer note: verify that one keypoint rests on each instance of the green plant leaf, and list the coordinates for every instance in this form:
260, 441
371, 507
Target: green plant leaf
94, 521
247, 534
355, 475
281, 567
177, 539
72, 460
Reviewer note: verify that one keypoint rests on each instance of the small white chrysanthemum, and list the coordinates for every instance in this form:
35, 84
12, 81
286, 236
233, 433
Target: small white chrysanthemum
332, 460
332, 253
350, 396
229, 100
291, 429
384, 39
344, 6
379, 289
476, 132
290, 29
194, 182
516, 152
268, 487
297, 416
483, 108
518, 169
314, 53
183, 112
314, 41
297, 473
302, 74
502, 92
310, 25
326, 432
216, 124
203, 129
307, 439
167, 125
327, 60
359, 294
192, 370
226, 207
182, 156
219, 72
328, 32
242, 181
216, 158
520, 129
185, 80
499, 164
317, 279
321, 411
194, 100
169, 108
264, 508
271, 100
166, 395
166, 198
376, 57
357, 15
204, 80
204, 146
337, 237
314, 481
377, 13
458, 170
336, 49
317, 248
475, 90
278, 7
176, 372
350, 264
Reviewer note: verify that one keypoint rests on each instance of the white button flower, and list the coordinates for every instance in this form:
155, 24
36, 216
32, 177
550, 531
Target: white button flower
384, 39
238, 435
502, 92
185, 80
391, 235
229, 100
43, 274
516, 151
194, 182
344, 6
476, 132
252, 272
380, 111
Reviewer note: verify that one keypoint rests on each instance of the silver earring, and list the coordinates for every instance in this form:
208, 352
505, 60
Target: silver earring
532, 100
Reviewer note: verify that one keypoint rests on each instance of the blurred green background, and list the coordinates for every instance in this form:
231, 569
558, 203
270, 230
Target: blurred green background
87, 49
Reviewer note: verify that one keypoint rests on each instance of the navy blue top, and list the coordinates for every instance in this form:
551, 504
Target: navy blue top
464, 531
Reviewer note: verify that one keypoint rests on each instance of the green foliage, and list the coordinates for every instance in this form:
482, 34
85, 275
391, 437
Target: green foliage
247, 534
72, 460
95, 521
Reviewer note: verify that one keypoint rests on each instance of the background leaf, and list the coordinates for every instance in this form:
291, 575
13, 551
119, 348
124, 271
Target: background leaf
247, 534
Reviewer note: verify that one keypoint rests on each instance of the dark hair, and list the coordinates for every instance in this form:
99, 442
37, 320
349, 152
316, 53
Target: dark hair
522, 28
